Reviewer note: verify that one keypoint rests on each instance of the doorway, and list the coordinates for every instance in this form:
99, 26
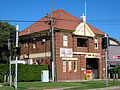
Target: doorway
93, 64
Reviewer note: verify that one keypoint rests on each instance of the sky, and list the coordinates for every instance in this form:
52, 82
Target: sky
102, 14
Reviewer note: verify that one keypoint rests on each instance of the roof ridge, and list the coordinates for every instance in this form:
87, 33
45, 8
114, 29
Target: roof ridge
69, 23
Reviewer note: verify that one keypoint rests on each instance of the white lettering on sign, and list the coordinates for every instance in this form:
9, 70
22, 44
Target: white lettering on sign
65, 52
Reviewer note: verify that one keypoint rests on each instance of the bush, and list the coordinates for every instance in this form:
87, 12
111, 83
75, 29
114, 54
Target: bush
114, 71
30, 72
3, 71
25, 72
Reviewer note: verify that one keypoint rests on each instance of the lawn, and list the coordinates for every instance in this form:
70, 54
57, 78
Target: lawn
75, 85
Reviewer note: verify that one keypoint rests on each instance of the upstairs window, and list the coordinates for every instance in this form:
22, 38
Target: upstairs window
65, 40
81, 42
34, 43
96, 43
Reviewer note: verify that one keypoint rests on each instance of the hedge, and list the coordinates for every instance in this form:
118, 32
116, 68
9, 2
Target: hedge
114, 71
25, 72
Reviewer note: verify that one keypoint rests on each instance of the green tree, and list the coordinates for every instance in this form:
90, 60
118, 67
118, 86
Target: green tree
5, 29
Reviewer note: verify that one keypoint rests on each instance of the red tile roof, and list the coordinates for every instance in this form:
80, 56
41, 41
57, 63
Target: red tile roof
63, 20
95, 30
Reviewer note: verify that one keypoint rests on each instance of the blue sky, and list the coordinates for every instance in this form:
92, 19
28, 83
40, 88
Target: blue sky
102, 14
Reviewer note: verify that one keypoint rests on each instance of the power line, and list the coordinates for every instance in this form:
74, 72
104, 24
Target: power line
103, 21
20, 21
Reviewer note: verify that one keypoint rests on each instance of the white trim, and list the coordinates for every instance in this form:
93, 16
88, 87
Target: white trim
36, 55
69, 58
89, 55
80, 53
85, 53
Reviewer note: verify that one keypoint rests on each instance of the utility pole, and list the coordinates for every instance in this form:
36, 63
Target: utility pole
106, 58
85, 20
52, 46
9, 48
17, 28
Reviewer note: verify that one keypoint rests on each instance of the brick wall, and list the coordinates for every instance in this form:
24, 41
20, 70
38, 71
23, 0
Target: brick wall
41, 47
72, 43
81, 62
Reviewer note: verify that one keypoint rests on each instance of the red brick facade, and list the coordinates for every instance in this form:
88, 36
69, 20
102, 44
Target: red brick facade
41, 53
72, 43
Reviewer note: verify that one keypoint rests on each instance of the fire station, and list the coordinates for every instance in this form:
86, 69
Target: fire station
77, 46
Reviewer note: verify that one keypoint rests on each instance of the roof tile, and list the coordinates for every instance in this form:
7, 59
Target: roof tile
62, 20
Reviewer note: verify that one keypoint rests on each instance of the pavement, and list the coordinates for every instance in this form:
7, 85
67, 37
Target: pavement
107, 88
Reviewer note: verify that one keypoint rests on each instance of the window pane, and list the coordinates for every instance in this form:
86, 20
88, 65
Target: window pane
64, 66
75, 66
96, 43
81, 42
69, 66
65, 40
65, 43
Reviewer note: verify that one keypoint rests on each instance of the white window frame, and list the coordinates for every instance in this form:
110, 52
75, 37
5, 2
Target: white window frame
65, 40
96, 43
75, 66
64, 66
69, 65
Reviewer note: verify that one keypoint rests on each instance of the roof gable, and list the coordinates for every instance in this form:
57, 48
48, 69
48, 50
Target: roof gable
83, 30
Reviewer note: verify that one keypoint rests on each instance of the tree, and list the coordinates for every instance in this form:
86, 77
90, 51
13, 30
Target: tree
5, 29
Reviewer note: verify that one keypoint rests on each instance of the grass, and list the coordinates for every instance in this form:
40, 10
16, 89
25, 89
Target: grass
75, 85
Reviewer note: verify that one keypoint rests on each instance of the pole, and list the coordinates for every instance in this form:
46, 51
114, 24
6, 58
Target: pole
17, 27
106, 59
53, 51
53, 46
9, 48
85, 20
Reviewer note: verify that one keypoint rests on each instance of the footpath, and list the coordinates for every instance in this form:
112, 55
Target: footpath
107, 88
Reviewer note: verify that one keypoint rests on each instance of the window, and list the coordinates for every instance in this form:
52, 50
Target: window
75, 66
81, 42
64, 66
30, 61
96, 43
69, 66
65, 40
26, 44
34, 43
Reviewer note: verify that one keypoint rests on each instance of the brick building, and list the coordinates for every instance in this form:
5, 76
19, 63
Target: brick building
77, 46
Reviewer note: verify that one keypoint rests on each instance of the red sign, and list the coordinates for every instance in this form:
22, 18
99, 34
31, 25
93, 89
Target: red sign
116, 57
88, 71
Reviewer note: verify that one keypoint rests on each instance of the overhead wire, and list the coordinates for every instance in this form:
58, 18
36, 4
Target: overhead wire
99, 22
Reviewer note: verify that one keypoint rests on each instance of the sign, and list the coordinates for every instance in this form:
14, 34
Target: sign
66, 52
116, 57
98, 56
18, 61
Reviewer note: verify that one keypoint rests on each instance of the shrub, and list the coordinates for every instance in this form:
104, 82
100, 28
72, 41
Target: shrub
25, 72
114, 71
3, 71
